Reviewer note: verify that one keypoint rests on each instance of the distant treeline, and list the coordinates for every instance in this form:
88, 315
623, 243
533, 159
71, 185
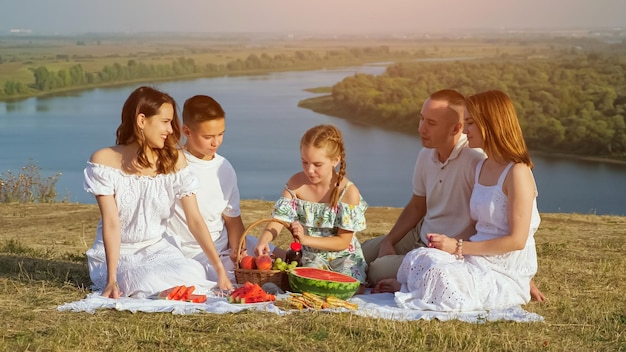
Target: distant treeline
574, 104
47, 80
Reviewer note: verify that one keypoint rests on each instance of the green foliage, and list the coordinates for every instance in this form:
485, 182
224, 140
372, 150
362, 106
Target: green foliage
567, 104
28, 186
15, 88
75, 77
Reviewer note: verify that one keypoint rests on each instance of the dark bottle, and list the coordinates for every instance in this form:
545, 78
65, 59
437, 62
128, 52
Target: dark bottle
294, 253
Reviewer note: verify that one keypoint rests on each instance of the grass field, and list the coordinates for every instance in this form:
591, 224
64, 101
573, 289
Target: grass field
582, 271
582, 261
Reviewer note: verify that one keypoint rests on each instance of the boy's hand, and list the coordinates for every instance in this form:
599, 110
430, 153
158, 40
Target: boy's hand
233, 253
224, 283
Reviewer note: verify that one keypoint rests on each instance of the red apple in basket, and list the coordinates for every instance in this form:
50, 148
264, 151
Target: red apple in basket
248, 262
264, 262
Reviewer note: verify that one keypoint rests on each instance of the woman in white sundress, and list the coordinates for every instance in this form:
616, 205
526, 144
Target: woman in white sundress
494, 268
135, 184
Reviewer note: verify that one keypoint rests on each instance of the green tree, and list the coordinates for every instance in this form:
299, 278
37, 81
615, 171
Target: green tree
44, 79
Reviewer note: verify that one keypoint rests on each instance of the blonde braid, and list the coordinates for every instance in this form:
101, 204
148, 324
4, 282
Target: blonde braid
334, 195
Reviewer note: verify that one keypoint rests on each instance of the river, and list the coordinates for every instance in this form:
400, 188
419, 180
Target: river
263, 129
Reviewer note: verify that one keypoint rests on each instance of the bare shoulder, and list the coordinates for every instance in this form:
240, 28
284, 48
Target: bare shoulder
181, 162
352, 195
520, 177
297, 180
110, 156
521, 170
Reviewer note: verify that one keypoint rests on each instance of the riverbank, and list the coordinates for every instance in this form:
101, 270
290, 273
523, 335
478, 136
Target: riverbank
43, 265
325, 105
115, 61
255, 72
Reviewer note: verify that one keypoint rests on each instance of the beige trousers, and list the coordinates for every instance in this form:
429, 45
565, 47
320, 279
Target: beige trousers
387, 267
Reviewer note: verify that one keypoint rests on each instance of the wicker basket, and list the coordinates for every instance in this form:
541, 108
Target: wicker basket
260, 277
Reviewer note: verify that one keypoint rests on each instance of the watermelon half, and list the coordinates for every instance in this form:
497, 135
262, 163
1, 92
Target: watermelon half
322, 282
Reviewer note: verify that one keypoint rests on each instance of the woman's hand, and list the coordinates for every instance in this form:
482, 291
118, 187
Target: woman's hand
112, 290
441, 242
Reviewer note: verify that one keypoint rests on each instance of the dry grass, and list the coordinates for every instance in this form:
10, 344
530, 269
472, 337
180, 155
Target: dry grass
582, 270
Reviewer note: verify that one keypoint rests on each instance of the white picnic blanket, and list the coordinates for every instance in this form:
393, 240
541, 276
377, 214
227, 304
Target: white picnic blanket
380, 305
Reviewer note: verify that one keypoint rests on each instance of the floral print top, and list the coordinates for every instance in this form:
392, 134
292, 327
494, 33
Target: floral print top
322, 220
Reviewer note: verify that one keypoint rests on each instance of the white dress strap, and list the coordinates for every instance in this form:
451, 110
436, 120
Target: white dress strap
479, 167
503, 174
344, 190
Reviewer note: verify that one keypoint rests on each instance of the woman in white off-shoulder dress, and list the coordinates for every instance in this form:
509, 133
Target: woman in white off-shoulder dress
136, 183
494, 268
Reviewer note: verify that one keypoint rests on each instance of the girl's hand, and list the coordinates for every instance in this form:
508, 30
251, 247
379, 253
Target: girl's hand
297, 230
441, 242
261, 249
112, 290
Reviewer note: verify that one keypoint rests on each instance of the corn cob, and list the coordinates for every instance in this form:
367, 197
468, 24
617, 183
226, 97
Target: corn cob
300, 302
340, 303
310, 300
314, 298
295, 303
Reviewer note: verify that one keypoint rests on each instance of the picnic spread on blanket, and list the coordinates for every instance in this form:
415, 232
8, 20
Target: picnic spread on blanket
310, 289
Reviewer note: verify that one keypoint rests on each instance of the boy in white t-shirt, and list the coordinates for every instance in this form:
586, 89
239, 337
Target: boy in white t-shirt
218, 195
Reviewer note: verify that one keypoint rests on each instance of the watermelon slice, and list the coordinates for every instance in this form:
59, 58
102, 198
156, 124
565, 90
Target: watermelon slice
173, 292
322, 282
185, 296
197, 298
250, 293
166, 294
179, 293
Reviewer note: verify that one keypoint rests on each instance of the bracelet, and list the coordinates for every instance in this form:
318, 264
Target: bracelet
459, 249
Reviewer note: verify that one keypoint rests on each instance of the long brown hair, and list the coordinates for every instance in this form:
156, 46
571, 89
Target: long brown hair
494, 114
148, 101
329, 138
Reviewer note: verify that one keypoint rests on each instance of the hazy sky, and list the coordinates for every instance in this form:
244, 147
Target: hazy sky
325, 16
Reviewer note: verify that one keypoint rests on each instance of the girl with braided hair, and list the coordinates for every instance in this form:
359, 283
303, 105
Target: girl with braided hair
324, 207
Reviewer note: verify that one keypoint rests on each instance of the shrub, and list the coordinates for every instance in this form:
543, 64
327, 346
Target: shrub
28, 186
